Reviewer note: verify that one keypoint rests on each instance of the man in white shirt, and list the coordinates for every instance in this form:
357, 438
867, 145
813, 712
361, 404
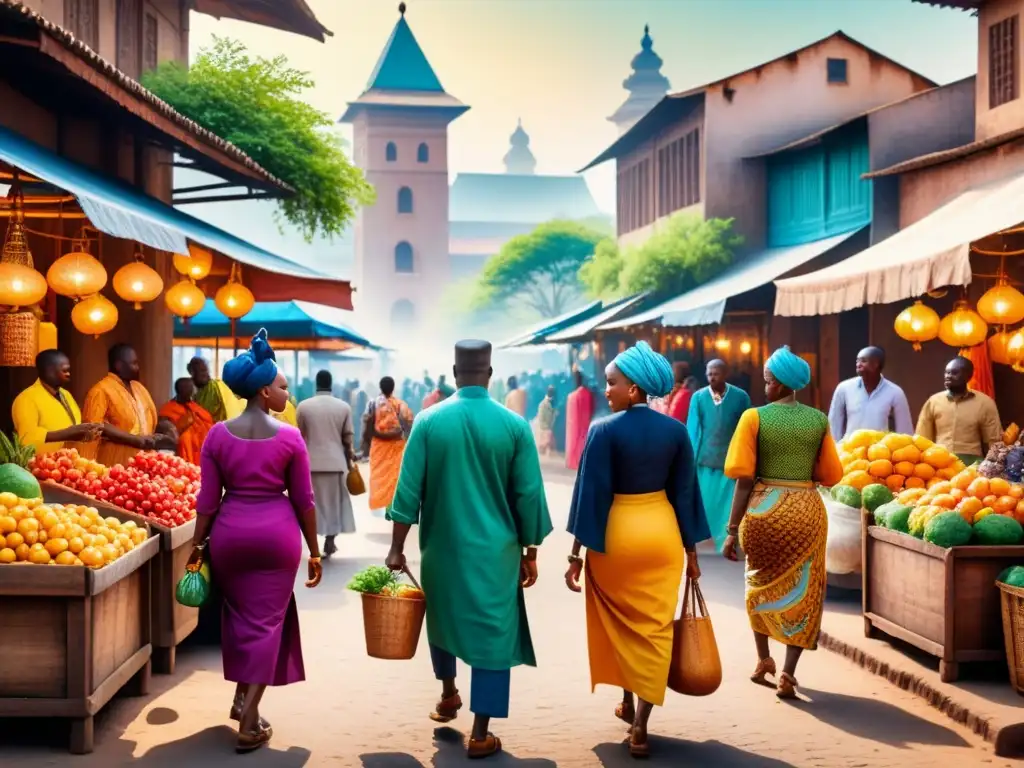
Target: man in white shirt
869, 401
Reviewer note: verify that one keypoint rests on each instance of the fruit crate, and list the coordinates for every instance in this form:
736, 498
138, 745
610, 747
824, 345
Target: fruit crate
72, 637
172, 622
943, 601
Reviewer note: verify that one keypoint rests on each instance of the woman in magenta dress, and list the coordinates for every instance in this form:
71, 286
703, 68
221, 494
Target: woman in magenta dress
253, 533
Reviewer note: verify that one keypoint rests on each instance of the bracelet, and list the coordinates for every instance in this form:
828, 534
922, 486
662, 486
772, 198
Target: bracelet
732, 530
528, 556
200, 546
315, 560
573, 559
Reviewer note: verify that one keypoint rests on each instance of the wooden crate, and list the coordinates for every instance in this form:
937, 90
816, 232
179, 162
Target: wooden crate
172, 622
72, 637
943, 601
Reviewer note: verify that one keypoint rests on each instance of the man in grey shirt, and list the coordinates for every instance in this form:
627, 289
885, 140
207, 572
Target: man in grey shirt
869, 401
326, 425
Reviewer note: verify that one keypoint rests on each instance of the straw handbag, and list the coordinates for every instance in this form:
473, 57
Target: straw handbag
696, 668
354, 481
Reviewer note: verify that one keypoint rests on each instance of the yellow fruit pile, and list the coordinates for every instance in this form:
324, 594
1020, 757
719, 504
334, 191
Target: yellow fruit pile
895, 460
56, 534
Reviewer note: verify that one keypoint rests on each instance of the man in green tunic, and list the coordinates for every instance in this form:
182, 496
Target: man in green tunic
212, 393
471, 479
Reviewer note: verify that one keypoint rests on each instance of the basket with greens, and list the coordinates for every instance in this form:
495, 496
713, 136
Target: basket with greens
392, 612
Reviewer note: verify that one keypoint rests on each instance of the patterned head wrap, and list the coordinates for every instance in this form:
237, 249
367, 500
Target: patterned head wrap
789, 370
252, 370
646, 368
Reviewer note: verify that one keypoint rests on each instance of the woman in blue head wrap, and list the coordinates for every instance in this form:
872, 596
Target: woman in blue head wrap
255, 506
636, 508
777, 455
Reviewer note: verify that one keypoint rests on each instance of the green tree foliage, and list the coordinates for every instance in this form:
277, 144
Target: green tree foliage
687, 252
539, 270
255, 104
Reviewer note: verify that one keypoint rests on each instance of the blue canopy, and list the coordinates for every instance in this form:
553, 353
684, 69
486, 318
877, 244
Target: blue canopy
545, 328
287, 320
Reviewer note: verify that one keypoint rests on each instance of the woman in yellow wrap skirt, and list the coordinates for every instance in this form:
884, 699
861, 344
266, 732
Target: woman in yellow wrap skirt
636, 508
777, 453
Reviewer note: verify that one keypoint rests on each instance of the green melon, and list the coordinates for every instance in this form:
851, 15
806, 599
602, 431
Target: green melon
874, 496
998, 530
19, 481
948, 529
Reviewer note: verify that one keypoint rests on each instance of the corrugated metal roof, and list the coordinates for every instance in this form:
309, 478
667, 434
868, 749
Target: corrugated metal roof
519, 199
17, 11
937, 158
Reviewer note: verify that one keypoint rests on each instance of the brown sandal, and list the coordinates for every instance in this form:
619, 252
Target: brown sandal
764, 667
638, 749
236, 715
250, 742
787, 686
620, 712
447, 709
483, 748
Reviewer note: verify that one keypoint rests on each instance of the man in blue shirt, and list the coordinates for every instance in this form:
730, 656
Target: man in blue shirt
869, 401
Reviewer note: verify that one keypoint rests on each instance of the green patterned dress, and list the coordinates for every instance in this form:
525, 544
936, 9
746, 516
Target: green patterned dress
785, 448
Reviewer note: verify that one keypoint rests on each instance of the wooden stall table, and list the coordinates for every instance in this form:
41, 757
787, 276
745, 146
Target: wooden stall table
72, 637
943, 601
172, 621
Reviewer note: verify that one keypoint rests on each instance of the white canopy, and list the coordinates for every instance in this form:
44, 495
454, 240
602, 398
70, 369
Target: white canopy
930, 253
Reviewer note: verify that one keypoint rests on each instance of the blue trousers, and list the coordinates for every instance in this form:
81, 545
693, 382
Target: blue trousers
489, 688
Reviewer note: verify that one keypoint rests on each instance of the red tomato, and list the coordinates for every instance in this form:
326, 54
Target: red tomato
129, 505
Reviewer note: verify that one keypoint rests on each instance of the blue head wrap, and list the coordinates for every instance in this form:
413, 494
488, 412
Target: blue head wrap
646, 368
788, 369
252, 370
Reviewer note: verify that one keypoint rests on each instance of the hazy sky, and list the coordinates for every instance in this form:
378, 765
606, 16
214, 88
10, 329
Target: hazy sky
559, 64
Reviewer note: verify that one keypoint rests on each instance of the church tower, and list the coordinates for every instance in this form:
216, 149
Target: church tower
646, 86
520, 160
400, 132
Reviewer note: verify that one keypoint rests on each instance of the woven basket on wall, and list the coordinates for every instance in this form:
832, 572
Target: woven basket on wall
19, 339
1012, 600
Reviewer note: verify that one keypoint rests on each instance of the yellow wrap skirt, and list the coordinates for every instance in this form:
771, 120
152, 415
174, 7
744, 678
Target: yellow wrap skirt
632, 590
783, 534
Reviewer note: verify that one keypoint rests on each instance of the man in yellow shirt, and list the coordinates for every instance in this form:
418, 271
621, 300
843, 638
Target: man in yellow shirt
125, 407
960, 420
45, 414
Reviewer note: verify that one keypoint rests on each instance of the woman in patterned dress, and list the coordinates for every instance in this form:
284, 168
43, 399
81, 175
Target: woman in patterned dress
777, 454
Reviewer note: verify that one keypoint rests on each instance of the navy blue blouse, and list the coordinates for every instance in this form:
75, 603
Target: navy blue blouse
636, 451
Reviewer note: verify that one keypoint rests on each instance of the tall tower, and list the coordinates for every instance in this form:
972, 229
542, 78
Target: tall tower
400, 132
646, 86
519, 160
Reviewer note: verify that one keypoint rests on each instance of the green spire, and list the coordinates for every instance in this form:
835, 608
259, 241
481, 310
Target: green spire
402, 65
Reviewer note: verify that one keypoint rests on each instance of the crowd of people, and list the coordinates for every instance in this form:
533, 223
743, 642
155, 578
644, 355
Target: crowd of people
673, 466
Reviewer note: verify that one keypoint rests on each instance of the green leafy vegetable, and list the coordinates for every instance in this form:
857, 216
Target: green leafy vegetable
374, 580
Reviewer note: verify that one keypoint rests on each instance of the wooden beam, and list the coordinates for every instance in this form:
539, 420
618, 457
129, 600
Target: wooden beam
223, 198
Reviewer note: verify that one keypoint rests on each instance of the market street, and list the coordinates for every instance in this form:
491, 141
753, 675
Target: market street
356, 711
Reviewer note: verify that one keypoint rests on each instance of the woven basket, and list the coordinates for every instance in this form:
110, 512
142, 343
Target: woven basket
392, 626
1012, 600
19, 339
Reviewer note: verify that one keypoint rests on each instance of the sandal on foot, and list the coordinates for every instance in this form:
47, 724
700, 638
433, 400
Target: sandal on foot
483, 747
447, 709
764, 667
236, 715
621, 713
250, 742
787, 687
638, 749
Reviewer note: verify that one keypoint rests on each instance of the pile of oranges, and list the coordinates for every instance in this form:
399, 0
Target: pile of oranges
55, 534
971, 494
895, 460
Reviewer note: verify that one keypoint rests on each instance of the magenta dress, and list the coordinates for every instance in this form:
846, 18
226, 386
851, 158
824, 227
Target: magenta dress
256, 549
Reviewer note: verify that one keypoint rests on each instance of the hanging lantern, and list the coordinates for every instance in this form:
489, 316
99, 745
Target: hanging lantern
76, 275
1002, 304
963, 327
233, 299
94, 315
47, 337
999, 347
185, 299
196, 264
138, 282
20, 286
917, 323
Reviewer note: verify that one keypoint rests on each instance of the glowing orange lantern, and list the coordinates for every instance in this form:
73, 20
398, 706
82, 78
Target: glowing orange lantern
94, 315
138, 282
963, 327
196, 264
233, 299
185, 299
76, 275
999, 348
20, 286
917, 323
1002, 304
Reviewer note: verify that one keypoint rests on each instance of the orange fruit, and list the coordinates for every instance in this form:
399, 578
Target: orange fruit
909, 453
8, 499
91, 557
924, 471
894, 482
998, 486
944, 500
1019, 512
1016, 491
978, 487
109, 553
970, 506
959, 495
914, 482
8, 524
1005, 504
56, 546
39, 556
878, 451
14, 540
880, 468
65, 558
27, 524
963, 480
904, 468
22, 551
990, 500
99, 540
19, 512
937, 456
939, 486
31, 537
7, 555
76, 544
948, 473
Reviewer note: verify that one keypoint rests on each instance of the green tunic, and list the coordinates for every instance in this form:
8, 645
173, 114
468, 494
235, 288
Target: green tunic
471, 478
